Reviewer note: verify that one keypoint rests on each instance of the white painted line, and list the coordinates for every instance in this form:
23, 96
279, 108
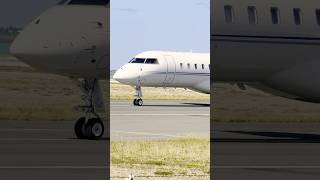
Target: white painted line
53, 167
160, 114
265, 167
147, 134
119, 105
34, 139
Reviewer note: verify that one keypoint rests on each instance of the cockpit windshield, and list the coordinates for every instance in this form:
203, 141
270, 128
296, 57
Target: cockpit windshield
137, 60
151, 61
89, 2
144, 61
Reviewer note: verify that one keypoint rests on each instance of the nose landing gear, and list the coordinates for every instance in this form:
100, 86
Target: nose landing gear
91, 126
138, 101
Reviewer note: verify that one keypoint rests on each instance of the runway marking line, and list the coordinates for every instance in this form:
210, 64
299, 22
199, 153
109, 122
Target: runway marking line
33, 139
54, 167
160, 114
149, 134
17, 129
119, 105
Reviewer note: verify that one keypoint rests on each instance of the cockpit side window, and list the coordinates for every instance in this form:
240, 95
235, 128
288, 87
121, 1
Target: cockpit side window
152, 61
137, 60
89, 2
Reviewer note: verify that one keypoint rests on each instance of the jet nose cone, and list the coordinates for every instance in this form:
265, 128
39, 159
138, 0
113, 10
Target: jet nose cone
15, 48
21, 47
117, 76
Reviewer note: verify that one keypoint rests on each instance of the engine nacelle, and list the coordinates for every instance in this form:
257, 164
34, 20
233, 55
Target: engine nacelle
203, 87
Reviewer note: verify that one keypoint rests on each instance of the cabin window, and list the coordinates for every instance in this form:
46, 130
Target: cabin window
275, 15
181, 65
195, 66
86, 2
297, 13
188, 66
228, 11
253, 16
318, 16
137, 60
202, 65
151, 61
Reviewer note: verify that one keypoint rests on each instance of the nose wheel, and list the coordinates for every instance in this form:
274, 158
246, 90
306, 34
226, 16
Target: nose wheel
138, 102
89, 129
80, 128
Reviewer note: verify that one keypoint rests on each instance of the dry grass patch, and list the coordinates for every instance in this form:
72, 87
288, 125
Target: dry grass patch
234, 105
166, 157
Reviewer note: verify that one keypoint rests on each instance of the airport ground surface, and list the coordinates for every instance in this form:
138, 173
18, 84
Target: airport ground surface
266, 151
48, 150
159, 119
250, 150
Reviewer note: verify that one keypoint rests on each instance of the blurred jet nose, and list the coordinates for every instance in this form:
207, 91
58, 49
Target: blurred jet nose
20, 47
38, 51
25, 46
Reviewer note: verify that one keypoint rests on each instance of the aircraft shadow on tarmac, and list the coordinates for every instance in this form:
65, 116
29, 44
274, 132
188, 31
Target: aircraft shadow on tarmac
290, 171
271, 137
180, 105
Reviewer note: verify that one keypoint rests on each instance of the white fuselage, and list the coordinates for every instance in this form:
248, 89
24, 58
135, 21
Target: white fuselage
167, 69
272, 45
70, 39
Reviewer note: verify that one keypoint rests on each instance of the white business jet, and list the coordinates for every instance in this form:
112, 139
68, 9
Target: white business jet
72, 39
166, 69
271, 45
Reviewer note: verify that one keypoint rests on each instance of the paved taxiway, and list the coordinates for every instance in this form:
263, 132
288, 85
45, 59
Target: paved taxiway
159, 119
49, 150
266, 151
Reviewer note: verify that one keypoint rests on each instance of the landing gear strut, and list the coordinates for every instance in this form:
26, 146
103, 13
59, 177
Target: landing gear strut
138, 101
90, 126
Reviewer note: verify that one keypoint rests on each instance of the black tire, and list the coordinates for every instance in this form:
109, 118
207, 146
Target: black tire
135, 102
139, 102
79, 128
94, 128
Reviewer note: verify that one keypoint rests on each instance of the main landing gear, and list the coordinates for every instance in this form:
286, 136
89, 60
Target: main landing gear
91, 125
138, 101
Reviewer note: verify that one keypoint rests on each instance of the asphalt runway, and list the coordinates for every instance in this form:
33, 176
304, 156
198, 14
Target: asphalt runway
159, 119
266, 151
49, 150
